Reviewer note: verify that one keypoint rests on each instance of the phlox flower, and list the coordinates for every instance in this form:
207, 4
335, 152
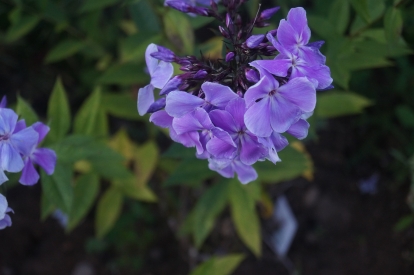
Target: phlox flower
5, 219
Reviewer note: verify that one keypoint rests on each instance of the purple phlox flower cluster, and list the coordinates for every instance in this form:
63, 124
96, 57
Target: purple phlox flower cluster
5, 219
19, 148
236, 111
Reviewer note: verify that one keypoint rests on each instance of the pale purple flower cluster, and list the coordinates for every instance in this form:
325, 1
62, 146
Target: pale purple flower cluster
19, 152
235, 110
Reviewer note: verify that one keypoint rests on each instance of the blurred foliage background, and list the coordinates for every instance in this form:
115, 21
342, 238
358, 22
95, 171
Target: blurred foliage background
77, 65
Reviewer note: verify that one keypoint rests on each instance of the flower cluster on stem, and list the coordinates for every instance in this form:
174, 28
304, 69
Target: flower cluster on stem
236, 111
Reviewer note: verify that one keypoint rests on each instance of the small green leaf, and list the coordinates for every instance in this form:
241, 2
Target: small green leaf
405, 115
189, 172
178, 151
393, 23
21, 27
219, 265
107, 211
339, 15
404, 223
209, 206
146, 158
144, 17
361, 8
245, 217
63, 50
124, 74
121, 105
133, 189
179, 31
58, 187
90, 119
91, 5
322, 27
338, 103
58, 112
85, 191
133, 47
25, 111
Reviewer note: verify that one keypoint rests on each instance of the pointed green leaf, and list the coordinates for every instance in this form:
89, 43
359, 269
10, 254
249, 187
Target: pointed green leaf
21, 27
219, 265
58, 187
85, 191
339, 103
146, 157
121, 105
63, 50
25, 111
179, 31
189, 172
245, 217
339, 15
58, 112
133, 47
144, 16
133, 189
361, 8
107, 211
209, 206
90, 119
125, 74
393, 24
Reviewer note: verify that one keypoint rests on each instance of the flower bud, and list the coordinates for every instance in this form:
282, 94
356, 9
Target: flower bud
157, 105
268, 13
164, 54
251, 75
229, 56
254, 40
200, 74
172, 84
224, 32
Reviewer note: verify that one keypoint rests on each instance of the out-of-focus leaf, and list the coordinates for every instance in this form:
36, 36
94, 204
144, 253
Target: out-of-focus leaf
63, 50
132, 188
21, 27
339, 103
144, 16
376, 9
58, 187
146, 157
90, 119
393, 23
322, 27
91, 5
121, 143
200, 21
58, 112
340, 74
124, 74
85, 191
107, 211
189, 172
133, 47
359, 61
54, 12
339, 15
361, 7
212, 49
245, 217
209, 206
405, 115
121, 105
219, 266
404, 223
294, 164
25, 111
178, 151
179, 31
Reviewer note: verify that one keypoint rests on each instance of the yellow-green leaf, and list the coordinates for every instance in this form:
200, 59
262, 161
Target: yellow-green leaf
219, 265
21, 27
146, 157
64, 49
107, 211
58, 112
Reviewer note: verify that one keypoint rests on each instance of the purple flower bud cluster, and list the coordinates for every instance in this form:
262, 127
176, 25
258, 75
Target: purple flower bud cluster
19, 152
236, 111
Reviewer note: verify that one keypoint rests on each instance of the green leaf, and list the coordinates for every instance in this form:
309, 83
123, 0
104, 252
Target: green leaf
361, 8
338, 103
404, 223
133, 189
209, 206
58, 112
85, 191
359, 61
107, 211
125, 74
339, 15
322, 27
133, 47
393, 23
24, 110
121, 105
91, 5
144, 17
189, 172
146, 158
405, 115
63, 50
178, 151
245, 217
58, 187
21, 27
294, 164
90, 119
219, 265
179, 31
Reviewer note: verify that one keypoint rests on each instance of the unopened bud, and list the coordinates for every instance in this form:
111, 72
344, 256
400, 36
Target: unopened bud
251, 75
268, 13
157, 105
200, 74
172, 85
224, 32
229, 56
254, 40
